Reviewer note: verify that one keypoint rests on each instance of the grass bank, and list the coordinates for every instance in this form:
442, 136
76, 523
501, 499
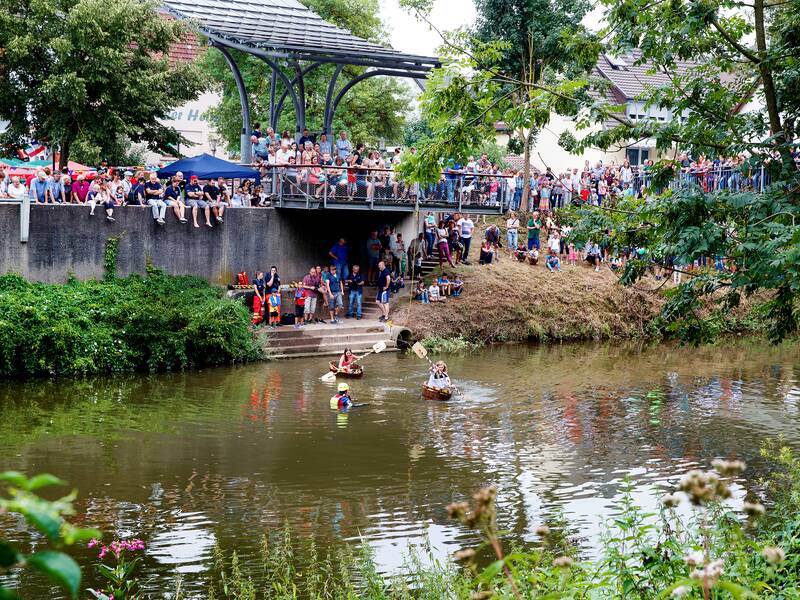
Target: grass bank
152, 323
509, 302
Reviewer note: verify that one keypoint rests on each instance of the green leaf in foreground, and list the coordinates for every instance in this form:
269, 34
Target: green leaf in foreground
60, 568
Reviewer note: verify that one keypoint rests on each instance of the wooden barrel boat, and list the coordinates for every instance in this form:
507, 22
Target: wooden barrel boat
435, 393
354, 373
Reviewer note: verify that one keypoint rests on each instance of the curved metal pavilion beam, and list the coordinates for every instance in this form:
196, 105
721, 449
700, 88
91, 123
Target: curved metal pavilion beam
275, 113
246, 148
299, 109
349, 85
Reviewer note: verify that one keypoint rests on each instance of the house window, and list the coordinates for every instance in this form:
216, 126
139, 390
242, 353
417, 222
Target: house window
637, 156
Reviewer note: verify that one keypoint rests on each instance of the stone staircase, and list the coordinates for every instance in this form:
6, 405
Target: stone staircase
326, 339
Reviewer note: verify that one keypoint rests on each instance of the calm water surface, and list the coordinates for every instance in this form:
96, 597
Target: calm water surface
188, 461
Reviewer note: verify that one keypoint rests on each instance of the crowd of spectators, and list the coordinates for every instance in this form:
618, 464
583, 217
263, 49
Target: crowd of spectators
341, 170
111, 189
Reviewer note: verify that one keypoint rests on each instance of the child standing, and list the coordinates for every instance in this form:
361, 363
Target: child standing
299, 307
274, 309
544, 196
573, 255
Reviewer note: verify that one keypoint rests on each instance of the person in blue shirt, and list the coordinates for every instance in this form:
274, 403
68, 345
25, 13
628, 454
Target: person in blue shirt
452, 173
333, 283
343, 146
339, 253
40, 188
355, 286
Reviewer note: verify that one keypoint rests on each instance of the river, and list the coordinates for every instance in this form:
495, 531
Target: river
186, 461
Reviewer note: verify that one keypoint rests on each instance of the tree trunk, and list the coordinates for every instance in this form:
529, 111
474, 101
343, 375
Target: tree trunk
63, 160
766, 72
526, 169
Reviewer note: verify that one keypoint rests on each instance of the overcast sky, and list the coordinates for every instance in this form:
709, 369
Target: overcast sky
414, 37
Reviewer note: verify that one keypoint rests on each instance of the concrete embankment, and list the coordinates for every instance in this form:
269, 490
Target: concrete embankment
65, 240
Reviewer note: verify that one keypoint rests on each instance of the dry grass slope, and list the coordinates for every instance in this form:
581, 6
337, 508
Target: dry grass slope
509, 301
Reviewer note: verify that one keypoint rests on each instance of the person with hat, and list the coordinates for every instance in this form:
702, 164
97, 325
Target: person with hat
127, 184
342, 399
195, 199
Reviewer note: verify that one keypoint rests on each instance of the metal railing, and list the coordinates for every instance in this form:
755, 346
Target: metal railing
374, 188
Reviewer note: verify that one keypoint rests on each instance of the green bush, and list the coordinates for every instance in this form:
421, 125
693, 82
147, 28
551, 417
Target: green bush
153, 323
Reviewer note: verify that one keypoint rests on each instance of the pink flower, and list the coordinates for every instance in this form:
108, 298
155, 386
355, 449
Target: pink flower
92, 543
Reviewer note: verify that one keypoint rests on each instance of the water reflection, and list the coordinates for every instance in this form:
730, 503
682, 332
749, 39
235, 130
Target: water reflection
187, 461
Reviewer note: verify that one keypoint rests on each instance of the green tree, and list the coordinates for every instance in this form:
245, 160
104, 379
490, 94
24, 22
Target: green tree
91, 69
503, 70
374, 109
534, 32
416, 131
715, 57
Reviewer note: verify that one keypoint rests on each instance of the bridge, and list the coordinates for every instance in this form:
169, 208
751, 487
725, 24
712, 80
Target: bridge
312, 187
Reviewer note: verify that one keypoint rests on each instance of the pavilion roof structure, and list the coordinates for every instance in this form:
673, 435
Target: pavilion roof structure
288, 29
291, 40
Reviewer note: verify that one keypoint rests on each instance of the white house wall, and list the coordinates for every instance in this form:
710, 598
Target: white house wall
190, 121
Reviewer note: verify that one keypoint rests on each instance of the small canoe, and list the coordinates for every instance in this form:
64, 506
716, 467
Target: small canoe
436, 393
355, 372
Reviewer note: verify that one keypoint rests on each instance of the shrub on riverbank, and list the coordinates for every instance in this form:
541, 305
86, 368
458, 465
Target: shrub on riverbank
153, 323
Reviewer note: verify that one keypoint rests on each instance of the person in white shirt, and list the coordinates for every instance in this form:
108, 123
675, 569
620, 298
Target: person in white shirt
466, 227
282, 155
512, 233
433, 293
554, 242
16, 190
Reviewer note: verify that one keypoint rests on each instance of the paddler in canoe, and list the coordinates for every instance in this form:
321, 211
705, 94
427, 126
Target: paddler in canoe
348, 365
439, 379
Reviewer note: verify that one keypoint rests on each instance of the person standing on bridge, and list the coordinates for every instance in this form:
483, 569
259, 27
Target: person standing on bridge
339, 253
343, 146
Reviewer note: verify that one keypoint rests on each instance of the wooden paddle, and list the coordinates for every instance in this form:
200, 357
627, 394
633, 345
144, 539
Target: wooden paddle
330, 376
420, 351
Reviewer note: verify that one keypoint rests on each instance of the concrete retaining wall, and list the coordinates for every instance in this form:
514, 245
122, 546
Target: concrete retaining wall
64, 240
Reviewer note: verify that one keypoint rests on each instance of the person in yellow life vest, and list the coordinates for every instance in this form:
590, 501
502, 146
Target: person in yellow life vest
342, 400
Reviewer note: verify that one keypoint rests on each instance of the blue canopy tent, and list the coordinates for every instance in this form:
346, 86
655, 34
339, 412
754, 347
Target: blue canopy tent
206, 166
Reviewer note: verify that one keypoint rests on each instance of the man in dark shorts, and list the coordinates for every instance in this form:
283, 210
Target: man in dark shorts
382, 297
195, 198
